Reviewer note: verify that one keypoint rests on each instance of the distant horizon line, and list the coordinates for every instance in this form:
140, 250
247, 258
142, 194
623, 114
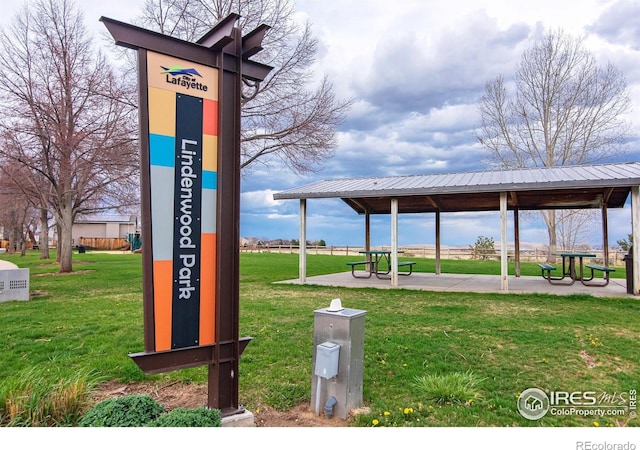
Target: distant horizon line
497, 246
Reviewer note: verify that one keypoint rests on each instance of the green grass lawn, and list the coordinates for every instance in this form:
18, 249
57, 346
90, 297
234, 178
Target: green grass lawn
89, 321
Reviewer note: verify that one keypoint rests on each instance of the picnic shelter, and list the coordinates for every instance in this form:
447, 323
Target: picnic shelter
599, 186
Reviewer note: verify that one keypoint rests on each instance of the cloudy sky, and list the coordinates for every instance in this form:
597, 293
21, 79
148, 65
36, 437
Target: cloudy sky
416, 70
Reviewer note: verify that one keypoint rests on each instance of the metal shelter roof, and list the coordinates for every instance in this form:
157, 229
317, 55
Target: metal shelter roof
564, 187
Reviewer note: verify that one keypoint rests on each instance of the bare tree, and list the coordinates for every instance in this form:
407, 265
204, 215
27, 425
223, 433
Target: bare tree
292, 119
16, 186
573, 227
62, 120
560, 109
17, 216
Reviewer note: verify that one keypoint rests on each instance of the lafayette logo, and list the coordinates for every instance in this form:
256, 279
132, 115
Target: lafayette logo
177, 70
184, 77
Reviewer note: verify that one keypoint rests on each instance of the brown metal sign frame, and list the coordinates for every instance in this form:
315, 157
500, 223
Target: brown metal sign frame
223, 48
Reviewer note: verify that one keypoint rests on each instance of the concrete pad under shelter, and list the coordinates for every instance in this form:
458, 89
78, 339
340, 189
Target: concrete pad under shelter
469, 283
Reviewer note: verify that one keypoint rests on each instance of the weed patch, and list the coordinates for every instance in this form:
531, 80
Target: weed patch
450, 388
33, 399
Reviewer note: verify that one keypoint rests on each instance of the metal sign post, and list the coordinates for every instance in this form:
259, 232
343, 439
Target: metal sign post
190, 100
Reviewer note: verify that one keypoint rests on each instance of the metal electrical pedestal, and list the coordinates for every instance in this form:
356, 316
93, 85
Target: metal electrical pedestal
344, 327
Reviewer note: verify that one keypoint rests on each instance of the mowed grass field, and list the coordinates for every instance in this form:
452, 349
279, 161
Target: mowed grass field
431, 358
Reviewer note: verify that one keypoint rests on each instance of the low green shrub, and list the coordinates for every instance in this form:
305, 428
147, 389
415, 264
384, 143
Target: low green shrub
127, 411
182, 417
450, 388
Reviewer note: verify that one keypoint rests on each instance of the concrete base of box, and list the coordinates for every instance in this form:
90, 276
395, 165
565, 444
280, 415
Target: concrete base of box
244, 419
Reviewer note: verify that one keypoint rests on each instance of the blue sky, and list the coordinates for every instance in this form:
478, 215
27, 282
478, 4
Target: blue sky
416, 70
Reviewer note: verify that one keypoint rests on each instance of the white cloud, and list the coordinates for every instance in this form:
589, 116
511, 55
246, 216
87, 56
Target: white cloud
253, 200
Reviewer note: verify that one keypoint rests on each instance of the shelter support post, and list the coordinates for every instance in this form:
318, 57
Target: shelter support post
516, 239
605, 236
394, 242
367, 234
437, 242
302, 258
504, 285
635, 229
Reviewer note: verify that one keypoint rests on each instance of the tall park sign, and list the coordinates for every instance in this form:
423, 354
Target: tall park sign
190, 99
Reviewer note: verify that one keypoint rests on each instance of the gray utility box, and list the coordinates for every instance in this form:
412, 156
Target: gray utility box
14, 284
343, 329
327, 358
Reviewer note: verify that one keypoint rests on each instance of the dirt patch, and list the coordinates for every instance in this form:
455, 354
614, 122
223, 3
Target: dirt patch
588, 359
38, 293
299, 416
177, 394
59, 274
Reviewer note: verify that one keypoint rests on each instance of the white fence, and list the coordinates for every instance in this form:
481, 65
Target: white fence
616, 256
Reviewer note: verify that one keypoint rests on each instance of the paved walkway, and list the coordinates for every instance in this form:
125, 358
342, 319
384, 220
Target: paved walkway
6, 265
617, 287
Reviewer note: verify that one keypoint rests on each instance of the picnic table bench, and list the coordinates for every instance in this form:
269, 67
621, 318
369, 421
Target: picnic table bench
603, 269
546, 268
359, 263
546, 274
410, 264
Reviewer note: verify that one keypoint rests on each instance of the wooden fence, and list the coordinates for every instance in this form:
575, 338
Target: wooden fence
5, 244
105, 243
616, 256
89, 243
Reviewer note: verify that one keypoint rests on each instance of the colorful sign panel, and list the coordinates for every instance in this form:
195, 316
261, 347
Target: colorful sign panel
183, 135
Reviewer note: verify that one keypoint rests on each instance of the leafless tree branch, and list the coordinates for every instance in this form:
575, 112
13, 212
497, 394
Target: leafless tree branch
293, 119
561, 108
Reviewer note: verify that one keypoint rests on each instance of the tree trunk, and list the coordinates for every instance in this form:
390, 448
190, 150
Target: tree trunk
65, 240
58, 235
43, 242
12, 241
553, 240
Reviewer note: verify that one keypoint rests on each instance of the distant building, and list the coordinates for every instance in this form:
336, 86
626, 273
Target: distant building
250, 242
108, 226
